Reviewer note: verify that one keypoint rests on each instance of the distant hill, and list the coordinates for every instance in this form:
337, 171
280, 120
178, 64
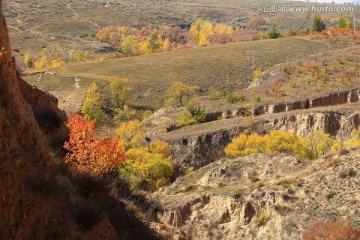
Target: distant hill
74, 24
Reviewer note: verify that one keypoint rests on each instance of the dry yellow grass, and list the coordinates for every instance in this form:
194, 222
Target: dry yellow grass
223, 67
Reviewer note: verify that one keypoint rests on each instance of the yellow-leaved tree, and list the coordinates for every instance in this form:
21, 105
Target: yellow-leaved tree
57, 62
179, 94
166, 45
130, 134
28, 60
245, 145
92, 105
120, 90
274, 142
200, 30
148, 166
278, 141
147, 170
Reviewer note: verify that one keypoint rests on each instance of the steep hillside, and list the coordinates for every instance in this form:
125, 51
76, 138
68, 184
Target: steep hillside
37, 200
31, 206
262, 197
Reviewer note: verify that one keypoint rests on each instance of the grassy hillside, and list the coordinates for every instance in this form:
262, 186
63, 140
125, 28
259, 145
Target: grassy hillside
224, 68
75, 22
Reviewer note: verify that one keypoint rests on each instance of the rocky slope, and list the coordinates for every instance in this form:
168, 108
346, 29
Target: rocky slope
262, 197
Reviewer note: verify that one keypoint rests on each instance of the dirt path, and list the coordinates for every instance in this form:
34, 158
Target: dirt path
75, 14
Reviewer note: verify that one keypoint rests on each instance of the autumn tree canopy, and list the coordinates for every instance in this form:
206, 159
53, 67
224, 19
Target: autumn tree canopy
89, 152
120, 90
179, 94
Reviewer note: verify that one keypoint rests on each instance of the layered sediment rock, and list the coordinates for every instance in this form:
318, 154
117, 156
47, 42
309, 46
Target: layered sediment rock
223, 201
196, 148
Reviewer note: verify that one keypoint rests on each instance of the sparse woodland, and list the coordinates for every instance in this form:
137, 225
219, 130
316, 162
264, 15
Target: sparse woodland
187, 131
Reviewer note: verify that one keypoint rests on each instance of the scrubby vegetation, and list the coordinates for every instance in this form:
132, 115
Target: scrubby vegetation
55, 57
132, 41
315, 145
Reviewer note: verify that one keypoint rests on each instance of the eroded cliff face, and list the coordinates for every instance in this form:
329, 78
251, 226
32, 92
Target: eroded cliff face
48, 116
199, 145
33, 199
262, 197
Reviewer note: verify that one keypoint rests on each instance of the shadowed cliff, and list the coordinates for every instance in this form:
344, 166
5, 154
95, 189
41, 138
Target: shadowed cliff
36, 200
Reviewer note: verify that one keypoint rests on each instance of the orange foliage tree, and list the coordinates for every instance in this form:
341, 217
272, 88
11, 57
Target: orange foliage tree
322, 230
88, 151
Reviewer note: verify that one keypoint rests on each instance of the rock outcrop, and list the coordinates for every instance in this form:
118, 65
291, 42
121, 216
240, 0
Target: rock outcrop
199, 145
262, 197
331, 99
31, 206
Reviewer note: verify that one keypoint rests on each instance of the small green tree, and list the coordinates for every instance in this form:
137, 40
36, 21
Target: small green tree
344, 21
92, 105
273, 32
120, 91
318, 24
179, 94
341, 21
127, 46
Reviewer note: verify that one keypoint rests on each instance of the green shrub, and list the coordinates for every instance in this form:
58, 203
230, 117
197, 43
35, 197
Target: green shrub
273, 32
318, 24
195, 114
234, 99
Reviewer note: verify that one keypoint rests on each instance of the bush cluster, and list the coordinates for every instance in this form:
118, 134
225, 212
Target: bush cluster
315, 145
